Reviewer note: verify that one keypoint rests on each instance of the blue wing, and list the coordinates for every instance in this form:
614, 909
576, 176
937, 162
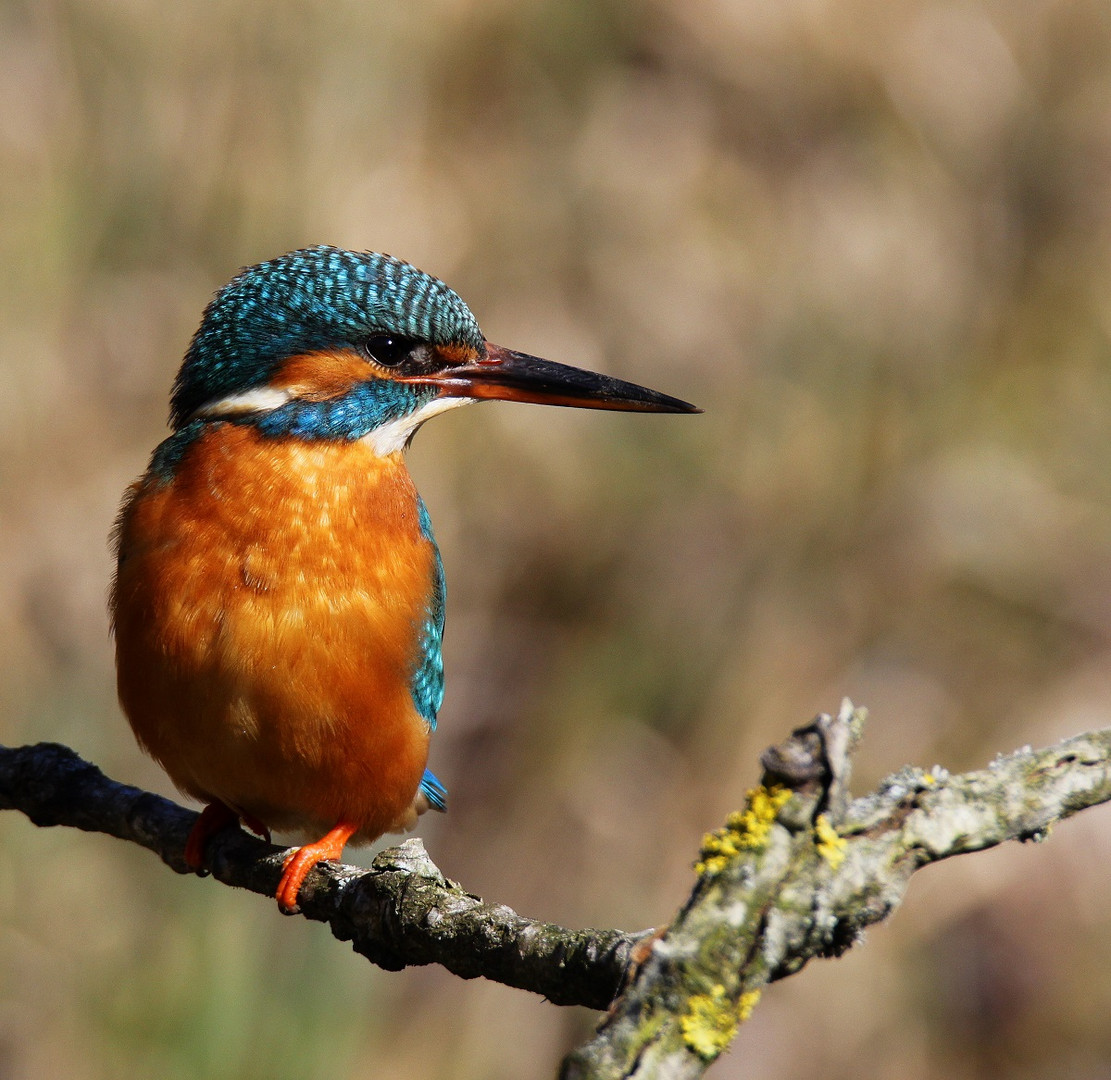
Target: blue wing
427, 685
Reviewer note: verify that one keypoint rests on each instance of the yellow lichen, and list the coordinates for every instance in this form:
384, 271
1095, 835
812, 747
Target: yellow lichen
830, 846
745, 830
712, 1019
748, 1001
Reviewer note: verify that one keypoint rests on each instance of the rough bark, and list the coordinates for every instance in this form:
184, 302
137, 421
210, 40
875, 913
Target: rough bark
798, 874
783, 884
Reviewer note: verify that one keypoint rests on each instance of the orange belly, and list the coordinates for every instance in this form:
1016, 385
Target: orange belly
268, 611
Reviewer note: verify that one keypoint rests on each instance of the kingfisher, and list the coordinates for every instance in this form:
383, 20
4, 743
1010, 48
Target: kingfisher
278, 601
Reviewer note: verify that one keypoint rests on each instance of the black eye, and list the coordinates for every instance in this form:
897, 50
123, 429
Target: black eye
389, 350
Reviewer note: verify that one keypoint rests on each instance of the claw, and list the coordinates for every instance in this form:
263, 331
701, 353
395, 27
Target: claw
300, 862
256, 826
214, 817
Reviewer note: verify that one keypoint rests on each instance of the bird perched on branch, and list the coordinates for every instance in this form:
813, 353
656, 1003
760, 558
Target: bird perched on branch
278, 604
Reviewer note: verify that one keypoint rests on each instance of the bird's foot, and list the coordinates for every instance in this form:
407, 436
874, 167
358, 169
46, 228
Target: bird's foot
300, 862
214, 817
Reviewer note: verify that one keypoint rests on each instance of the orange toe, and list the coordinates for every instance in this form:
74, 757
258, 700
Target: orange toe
300, 862
214, 817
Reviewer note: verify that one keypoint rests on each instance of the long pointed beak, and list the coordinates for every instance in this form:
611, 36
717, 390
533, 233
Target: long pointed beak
513, 376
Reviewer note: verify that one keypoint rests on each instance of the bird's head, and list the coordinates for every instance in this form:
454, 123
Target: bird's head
324, 343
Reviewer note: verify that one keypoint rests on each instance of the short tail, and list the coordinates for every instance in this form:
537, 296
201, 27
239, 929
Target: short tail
434, 792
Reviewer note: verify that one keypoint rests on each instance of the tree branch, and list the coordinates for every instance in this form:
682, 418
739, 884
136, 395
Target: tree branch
798, 874
803, 871
400, 913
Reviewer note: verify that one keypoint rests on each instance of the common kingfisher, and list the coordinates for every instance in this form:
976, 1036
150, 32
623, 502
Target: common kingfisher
278, 603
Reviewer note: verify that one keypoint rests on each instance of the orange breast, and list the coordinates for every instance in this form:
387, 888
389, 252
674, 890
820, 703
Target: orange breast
268, 611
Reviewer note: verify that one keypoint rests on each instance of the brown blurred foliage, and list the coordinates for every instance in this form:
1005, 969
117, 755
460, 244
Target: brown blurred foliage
871, 237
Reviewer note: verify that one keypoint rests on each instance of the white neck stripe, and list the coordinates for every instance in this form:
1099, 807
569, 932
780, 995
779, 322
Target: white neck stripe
257, 399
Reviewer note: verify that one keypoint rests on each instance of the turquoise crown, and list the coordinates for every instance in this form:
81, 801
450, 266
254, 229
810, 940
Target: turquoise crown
309, 300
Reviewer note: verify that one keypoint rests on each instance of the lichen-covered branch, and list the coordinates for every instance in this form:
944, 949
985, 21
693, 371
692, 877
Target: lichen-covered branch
401, 912
803, 870
797, 874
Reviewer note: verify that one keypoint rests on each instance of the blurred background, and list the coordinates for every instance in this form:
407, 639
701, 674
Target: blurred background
871, 237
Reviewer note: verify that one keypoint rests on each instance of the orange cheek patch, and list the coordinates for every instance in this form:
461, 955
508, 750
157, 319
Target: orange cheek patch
322, 376
457, 354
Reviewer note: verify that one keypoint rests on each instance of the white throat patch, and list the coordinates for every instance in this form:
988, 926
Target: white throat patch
394, 435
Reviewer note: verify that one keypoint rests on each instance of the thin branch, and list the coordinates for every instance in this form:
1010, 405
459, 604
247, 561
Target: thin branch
401, 912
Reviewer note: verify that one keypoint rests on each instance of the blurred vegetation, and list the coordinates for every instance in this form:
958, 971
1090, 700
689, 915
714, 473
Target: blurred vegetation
871, 237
